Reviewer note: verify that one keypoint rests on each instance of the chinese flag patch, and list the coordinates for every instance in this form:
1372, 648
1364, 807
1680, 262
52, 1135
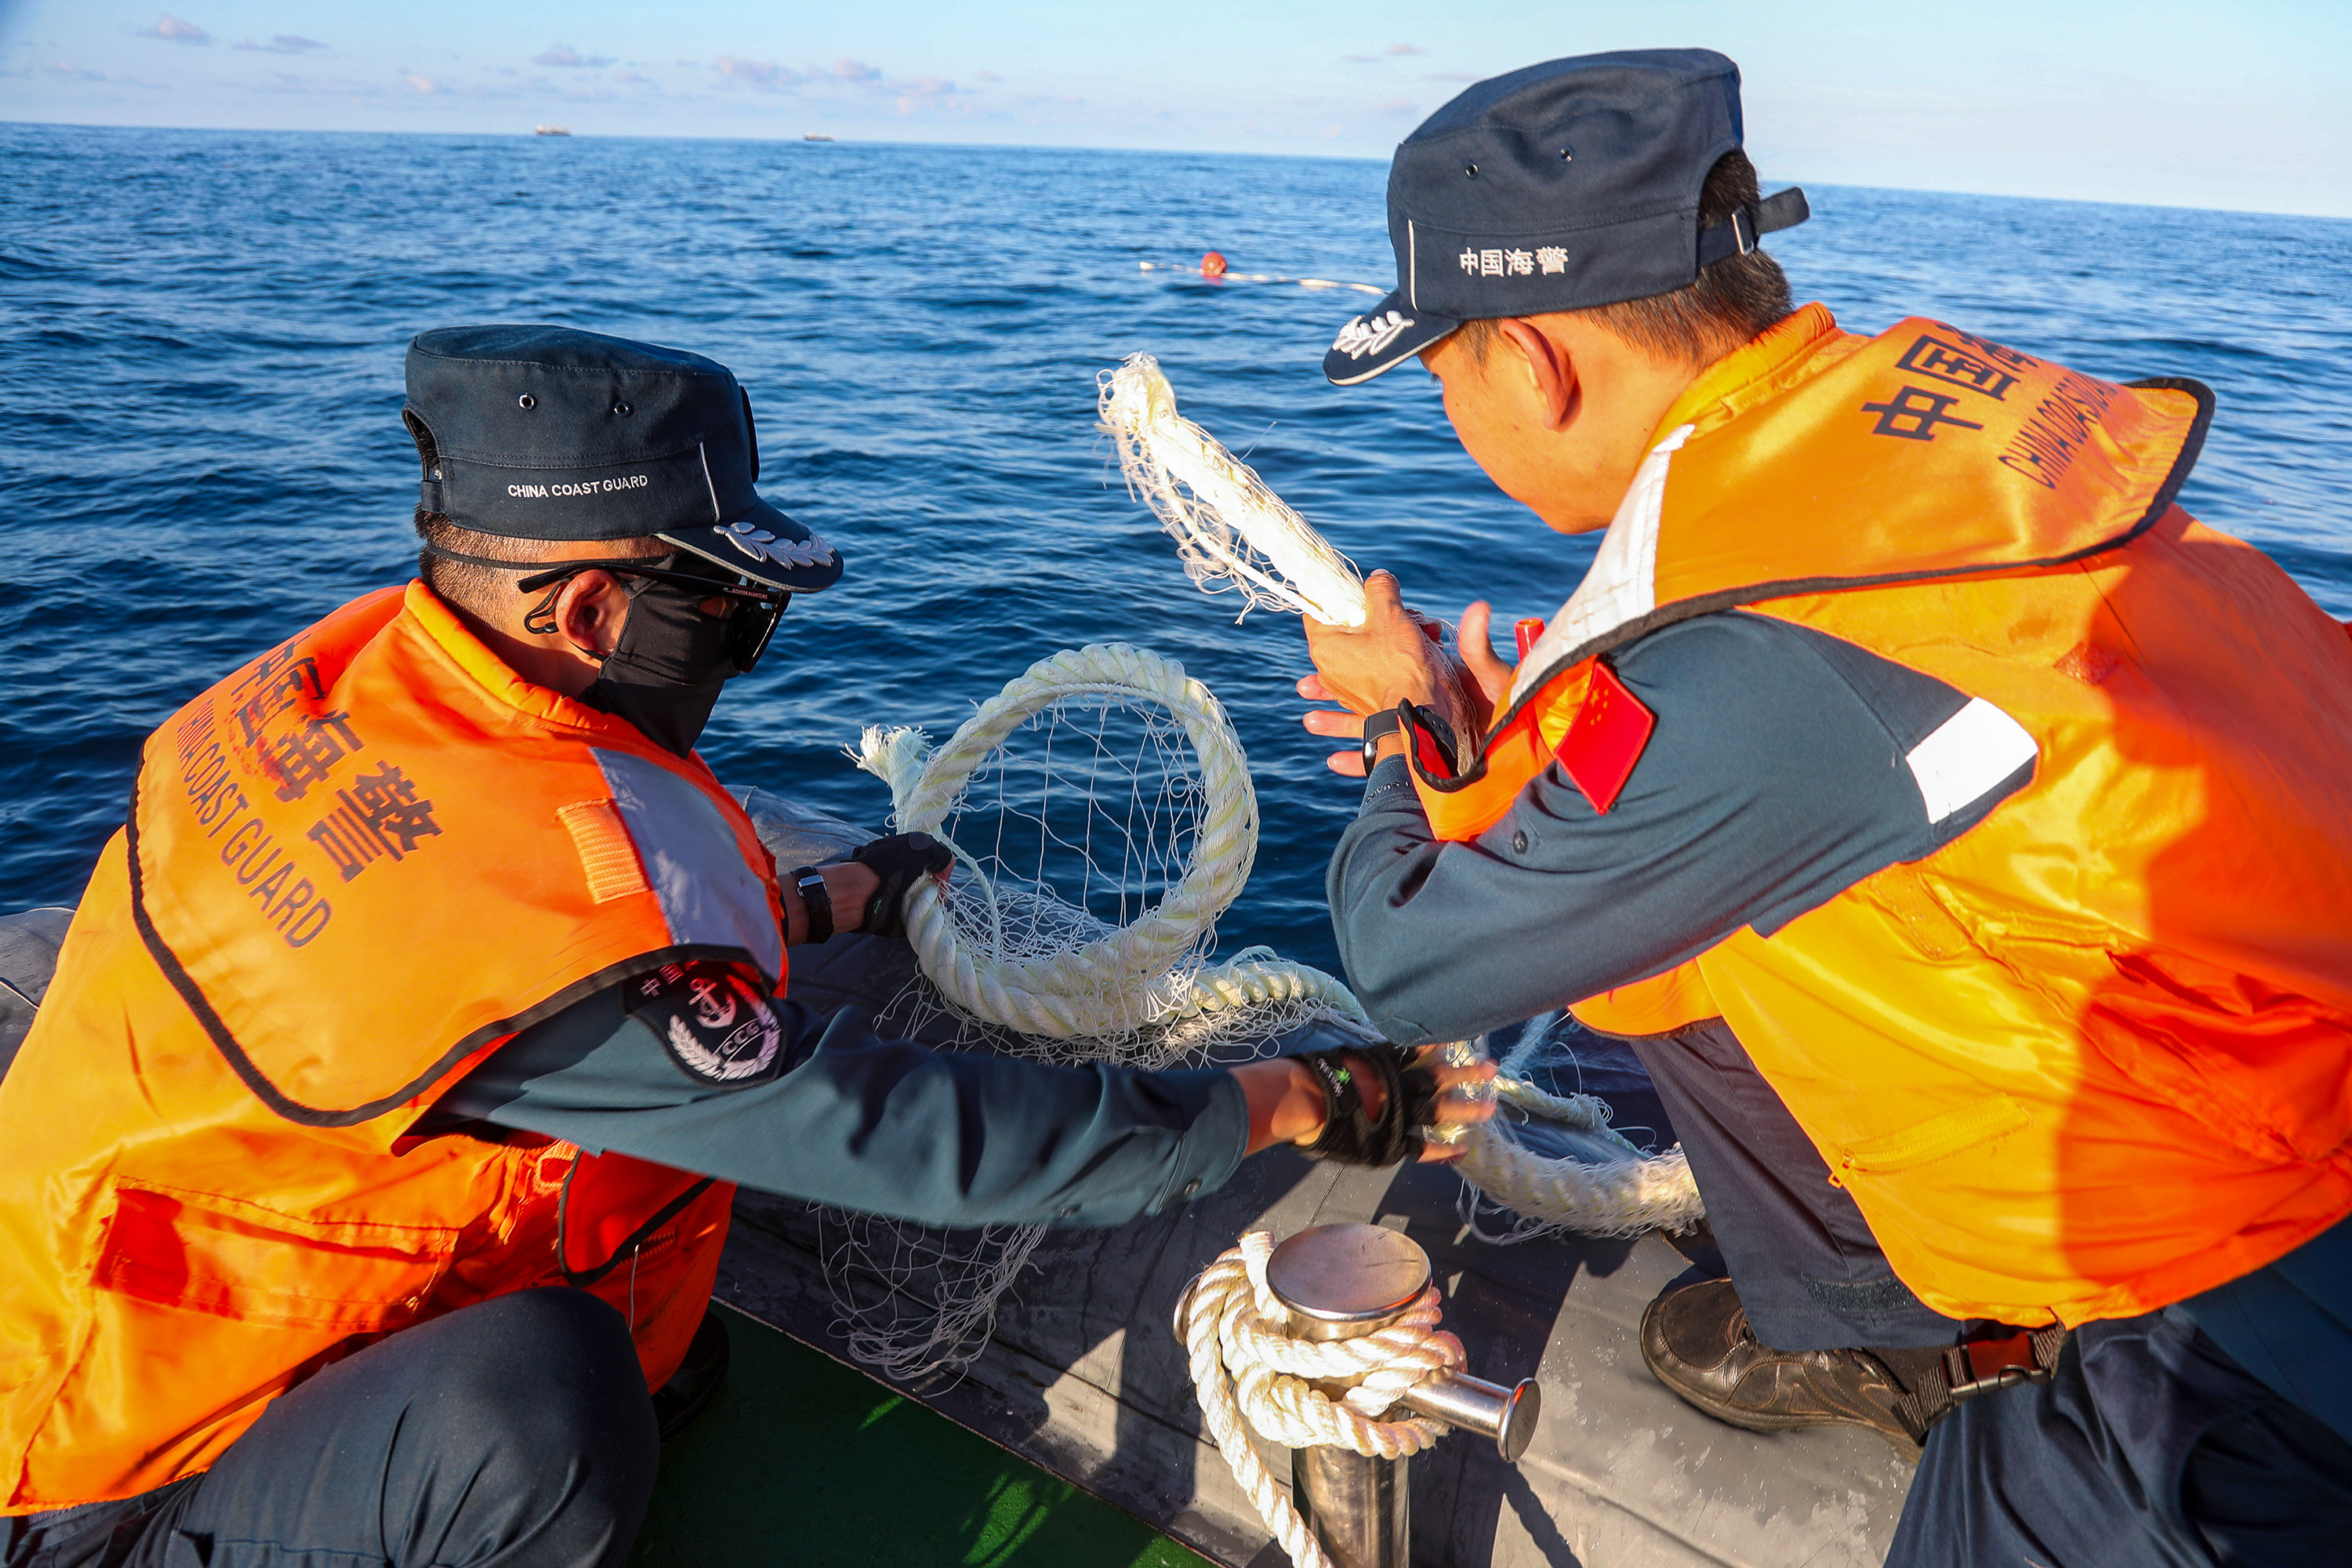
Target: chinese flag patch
1606, 740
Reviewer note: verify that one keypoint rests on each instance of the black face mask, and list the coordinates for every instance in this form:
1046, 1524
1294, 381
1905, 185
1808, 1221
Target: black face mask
665, 673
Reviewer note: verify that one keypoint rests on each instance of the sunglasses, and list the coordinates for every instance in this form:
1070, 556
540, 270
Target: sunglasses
750, 618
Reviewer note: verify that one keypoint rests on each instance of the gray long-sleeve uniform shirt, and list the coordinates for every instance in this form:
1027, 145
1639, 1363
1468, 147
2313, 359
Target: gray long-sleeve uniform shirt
1776, 778
690, 1067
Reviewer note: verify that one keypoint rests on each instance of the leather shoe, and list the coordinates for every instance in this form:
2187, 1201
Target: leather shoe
1696, 1339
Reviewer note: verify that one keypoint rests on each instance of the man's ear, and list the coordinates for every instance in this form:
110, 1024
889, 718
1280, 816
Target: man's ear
1550, 370
589, 613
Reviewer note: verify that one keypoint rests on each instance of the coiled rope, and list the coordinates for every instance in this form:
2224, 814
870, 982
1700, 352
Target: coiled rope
1623, 1196
1136, 975
1251, 1374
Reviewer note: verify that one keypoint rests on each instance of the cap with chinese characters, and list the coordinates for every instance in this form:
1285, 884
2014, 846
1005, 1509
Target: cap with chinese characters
533, 432
1565, 186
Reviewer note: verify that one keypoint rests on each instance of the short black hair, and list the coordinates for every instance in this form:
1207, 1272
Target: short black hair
490, 591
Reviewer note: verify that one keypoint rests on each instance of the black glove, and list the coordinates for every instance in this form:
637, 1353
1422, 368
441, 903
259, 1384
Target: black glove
1349, 1136
900, 861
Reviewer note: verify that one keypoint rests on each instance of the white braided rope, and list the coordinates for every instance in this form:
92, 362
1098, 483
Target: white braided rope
1250, 1374
1230, 528
1136, 975
1624, 1196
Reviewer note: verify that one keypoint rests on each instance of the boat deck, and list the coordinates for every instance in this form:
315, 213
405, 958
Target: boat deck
1086, 1378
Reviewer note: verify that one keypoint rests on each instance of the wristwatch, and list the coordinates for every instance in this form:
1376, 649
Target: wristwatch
815, 898
1378, 727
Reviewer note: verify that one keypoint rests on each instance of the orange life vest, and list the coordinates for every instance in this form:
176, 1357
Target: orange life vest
2095, 1054
350, 872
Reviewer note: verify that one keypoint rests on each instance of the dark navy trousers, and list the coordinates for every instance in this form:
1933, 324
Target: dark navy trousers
2215, 1432
516, 1433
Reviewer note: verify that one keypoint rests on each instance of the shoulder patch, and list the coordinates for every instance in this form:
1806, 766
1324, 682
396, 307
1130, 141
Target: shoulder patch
710, 1017
1608, 736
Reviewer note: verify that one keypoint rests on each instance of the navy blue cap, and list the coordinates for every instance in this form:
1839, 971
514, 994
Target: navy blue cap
532, 432
1562, 186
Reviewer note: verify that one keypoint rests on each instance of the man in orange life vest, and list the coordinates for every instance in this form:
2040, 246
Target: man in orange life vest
368, 1157
1960, 834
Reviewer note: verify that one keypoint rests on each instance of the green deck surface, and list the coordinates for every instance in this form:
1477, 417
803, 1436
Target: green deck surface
800, 1460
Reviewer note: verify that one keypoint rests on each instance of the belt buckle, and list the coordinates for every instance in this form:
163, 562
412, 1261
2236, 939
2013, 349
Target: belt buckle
1989, 1365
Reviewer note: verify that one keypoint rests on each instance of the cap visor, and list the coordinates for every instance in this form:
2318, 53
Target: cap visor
766, 546
1389, 334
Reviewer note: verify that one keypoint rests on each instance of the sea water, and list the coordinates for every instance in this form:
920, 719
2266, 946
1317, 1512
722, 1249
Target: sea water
201, 448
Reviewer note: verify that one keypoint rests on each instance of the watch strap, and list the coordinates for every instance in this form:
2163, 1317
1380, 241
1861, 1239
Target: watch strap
1378, 727
809, 882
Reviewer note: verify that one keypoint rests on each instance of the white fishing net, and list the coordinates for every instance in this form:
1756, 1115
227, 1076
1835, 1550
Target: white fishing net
1102, 817
1102, 813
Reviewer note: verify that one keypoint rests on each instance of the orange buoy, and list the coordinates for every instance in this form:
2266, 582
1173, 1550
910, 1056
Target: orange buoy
1213, 265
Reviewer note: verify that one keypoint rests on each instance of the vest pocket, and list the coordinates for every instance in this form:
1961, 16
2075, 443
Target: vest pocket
1936, 1138
1902, 893
232, 1259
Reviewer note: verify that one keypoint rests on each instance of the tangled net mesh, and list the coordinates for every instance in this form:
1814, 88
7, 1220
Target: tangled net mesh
1082, 820
1102, 817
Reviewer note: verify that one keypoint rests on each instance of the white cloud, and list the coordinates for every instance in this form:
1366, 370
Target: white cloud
1405, 50
766, 75
855, 70
566, 55
427, 85
988, 76
628, 76
176, 31
73, 73
284, 44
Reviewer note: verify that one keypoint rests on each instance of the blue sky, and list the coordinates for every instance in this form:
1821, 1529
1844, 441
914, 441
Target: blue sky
2215, 105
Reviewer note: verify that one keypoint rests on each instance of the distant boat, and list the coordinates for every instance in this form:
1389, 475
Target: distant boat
816, 136
553, 130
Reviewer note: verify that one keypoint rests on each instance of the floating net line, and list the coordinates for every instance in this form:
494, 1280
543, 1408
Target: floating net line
1552, 1163
1194, 267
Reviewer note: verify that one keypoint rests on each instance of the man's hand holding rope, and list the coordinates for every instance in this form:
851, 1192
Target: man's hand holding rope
1364, 1106
1392, 658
